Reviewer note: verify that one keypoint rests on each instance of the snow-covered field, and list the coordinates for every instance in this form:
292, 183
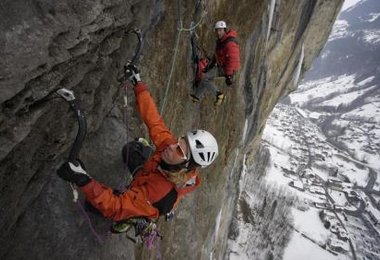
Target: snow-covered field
339, 156
372, 36
329, 137
322, 88
320, 193
340, 30
301, 248
301, 154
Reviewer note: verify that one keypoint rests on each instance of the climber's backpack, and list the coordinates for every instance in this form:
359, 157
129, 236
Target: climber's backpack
135, 154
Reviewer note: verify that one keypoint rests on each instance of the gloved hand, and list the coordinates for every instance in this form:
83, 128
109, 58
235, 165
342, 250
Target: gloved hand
169, 216
132, 73
210, 66
229, 80
74, 173
206, 69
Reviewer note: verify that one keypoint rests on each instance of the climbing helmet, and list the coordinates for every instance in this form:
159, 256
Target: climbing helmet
220, 25
203, 147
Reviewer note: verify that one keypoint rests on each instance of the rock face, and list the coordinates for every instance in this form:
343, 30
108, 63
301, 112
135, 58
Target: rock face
82, 45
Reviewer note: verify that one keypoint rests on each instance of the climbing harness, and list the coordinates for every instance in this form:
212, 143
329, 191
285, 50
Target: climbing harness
146, 231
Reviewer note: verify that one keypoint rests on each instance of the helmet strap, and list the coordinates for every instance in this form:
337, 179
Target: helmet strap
172, 167
188, 165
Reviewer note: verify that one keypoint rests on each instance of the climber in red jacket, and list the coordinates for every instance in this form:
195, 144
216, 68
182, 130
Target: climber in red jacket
160, 178
227, 59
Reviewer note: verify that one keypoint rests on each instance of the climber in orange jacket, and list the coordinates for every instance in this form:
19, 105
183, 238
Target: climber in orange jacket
161, 180
227, 59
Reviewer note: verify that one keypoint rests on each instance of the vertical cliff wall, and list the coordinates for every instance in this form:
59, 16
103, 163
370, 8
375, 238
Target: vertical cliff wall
82, 45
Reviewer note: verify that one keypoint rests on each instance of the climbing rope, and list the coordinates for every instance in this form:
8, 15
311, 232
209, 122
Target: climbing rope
180, 29
126, 124
91, 226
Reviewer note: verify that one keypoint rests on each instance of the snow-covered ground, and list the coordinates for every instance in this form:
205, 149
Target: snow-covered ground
340, 30
322, 88
350, 4
339, 156
372, 36
323, 174
301, 248
303, 161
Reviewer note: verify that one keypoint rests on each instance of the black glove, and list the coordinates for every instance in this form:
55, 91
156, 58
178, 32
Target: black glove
74, 173
132, 73
229, 80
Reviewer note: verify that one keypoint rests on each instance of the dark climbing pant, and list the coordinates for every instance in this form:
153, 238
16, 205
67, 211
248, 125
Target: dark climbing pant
207, 82
135, 155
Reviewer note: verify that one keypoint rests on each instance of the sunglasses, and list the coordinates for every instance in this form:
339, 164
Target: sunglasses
180, 152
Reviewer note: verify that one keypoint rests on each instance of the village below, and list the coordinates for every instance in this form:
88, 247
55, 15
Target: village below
324, 143
320, 171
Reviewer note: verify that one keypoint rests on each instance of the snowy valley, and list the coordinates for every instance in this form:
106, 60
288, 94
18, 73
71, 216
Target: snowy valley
321, 156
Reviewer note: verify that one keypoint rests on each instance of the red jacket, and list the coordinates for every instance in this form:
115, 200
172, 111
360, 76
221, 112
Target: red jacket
227, 53
202, 64
149, 185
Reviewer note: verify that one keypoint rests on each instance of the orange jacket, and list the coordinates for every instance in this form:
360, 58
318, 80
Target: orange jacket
149, 186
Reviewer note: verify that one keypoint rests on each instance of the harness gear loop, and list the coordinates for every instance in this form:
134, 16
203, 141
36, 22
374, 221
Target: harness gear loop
145, 231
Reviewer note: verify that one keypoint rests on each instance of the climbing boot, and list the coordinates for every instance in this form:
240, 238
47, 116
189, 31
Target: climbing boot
121, 226
194, 98
219, 97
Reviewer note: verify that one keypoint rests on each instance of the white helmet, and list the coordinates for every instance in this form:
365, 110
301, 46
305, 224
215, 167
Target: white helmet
220, 25
203, 147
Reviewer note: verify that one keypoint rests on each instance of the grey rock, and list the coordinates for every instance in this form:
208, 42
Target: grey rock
82, 46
